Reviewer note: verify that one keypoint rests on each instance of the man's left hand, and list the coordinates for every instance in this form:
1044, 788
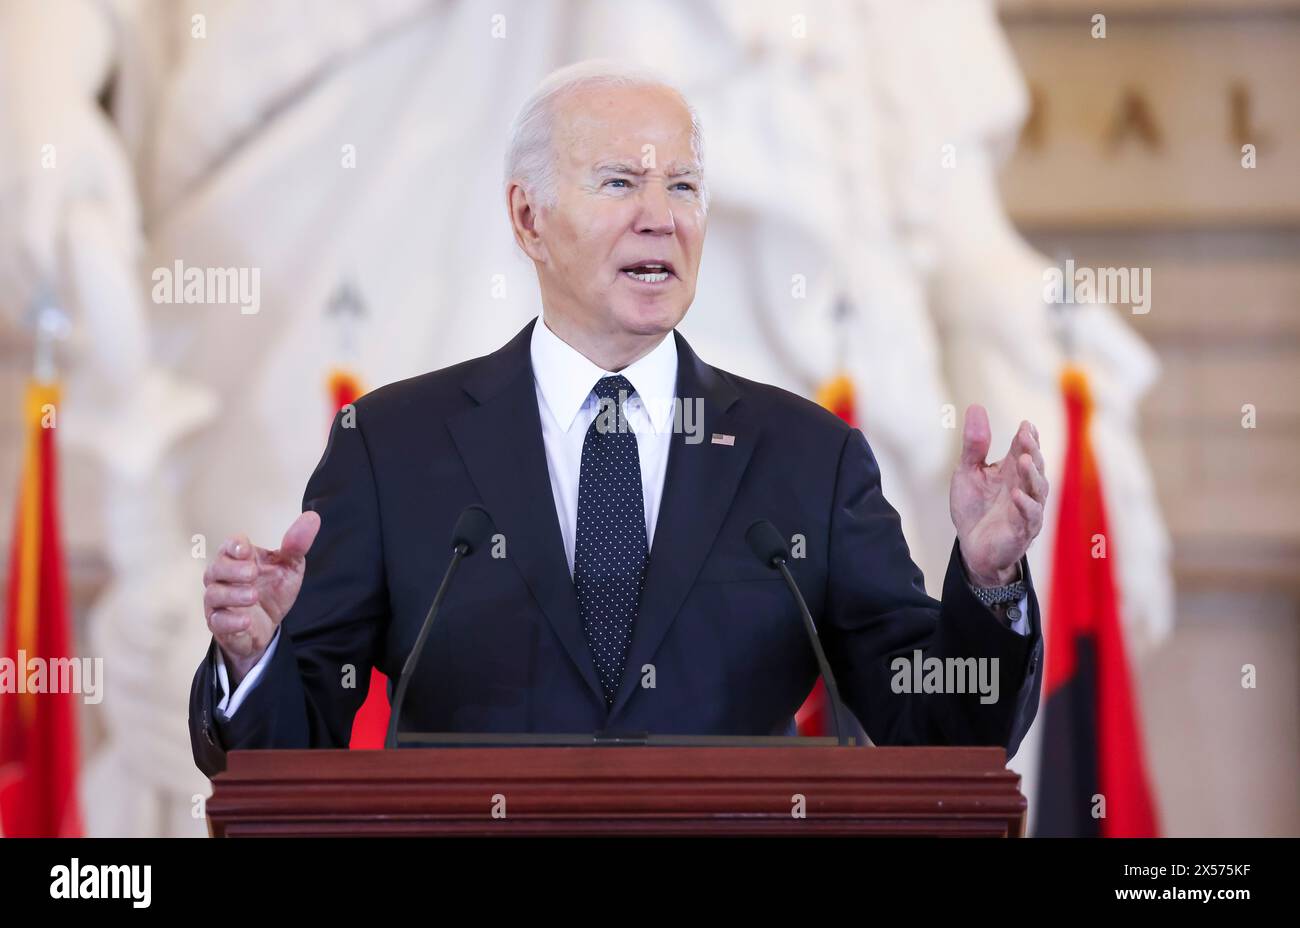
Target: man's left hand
997, 508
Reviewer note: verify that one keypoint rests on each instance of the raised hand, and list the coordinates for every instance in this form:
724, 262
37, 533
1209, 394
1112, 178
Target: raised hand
248, 590
997, 508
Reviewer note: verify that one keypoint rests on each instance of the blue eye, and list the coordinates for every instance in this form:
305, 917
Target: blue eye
615, 180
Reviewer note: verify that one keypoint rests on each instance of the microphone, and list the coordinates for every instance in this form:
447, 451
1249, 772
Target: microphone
768, 544
472, 531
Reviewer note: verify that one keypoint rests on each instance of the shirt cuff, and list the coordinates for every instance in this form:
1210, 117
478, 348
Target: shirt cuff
1021, 625
229, 704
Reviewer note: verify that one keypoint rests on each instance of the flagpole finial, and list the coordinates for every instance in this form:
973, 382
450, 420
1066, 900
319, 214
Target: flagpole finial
1065, 337
50, 324
843, 320
347, 310
1063, 314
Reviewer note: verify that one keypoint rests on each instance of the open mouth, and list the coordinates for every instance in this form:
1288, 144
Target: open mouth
649, 272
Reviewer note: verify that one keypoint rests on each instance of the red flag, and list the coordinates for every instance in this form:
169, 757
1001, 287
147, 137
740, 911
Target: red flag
370, 725
38, 727
1092, 744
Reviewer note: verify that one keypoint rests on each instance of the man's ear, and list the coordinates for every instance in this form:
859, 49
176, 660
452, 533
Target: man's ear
523, 221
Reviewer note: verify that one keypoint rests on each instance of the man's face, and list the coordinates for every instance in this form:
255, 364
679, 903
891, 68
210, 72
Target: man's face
618, 253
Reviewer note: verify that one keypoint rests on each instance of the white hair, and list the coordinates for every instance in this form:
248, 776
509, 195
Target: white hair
531, 157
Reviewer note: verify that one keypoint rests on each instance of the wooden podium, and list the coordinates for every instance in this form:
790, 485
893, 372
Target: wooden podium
618, 790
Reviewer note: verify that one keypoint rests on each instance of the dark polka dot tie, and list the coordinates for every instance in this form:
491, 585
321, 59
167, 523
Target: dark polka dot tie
610, 553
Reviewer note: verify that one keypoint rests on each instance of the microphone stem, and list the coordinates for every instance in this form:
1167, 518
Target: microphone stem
390, 742
832, 689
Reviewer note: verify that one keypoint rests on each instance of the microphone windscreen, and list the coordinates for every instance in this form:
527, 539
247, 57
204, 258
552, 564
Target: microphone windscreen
767, 542
473, 529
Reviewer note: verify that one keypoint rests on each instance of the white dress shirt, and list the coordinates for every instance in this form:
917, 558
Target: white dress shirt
564, 378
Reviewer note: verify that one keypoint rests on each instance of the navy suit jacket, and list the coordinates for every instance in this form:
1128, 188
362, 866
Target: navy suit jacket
507, 652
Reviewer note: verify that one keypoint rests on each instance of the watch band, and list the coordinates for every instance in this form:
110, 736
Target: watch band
996, 595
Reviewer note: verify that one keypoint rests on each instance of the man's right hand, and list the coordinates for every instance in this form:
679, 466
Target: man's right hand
248, 590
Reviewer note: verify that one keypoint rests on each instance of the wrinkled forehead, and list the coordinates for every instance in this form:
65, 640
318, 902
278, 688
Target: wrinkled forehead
605, 125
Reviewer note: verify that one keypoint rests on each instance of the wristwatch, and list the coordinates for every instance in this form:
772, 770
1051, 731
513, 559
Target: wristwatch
1008, 596
995, 595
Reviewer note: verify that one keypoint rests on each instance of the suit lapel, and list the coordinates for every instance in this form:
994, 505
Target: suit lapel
500, 441
699, 486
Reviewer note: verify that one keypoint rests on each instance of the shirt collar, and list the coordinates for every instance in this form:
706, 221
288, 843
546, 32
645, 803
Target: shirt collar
565, 377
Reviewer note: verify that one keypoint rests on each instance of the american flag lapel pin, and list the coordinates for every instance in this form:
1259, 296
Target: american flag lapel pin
720, 439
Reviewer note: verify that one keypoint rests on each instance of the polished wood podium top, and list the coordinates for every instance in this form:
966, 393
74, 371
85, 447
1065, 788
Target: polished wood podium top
623, 790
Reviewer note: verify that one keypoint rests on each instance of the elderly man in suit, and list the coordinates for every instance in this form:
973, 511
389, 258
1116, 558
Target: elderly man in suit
621, 473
